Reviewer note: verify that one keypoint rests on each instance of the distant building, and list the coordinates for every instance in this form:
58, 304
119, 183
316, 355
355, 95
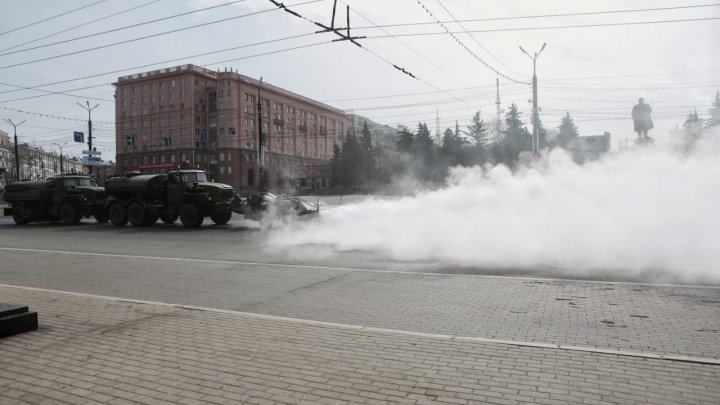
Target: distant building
209, 120
35, 162
593, 146
383, 135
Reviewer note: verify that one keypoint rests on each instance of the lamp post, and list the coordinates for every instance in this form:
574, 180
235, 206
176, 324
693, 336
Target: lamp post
17, 157
536, 138
89, 110
61, 155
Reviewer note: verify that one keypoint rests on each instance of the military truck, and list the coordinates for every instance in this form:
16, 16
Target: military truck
187, 194
61, 198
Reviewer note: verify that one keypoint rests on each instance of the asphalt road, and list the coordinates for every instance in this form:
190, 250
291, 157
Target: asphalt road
234, 267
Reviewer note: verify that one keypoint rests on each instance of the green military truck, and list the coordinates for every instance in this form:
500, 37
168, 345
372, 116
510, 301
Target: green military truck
187, 194
63, 198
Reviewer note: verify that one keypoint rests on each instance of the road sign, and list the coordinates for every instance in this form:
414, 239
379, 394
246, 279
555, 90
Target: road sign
79, 137
92, 152
93, 161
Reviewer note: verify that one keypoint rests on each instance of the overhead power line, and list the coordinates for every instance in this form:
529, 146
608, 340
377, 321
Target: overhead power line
430, 61
82, 25
475, 39
122, 28
53, 17
53, 116
343, 37
459, 42
416, 34
521, 17
149, 36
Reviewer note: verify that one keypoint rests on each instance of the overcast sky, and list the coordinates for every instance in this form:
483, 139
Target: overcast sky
596, 73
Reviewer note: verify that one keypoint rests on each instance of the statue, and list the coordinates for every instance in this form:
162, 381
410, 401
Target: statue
641, 117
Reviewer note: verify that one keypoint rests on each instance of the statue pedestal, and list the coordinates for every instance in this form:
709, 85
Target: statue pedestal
16, 319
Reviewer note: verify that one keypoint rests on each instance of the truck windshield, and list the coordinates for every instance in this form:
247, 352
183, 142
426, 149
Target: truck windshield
78, 181
194, 178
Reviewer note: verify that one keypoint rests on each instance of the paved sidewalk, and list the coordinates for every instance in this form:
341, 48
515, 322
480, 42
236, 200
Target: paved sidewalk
98, 350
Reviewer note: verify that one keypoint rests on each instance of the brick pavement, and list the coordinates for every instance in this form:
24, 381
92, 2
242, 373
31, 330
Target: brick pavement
95, 350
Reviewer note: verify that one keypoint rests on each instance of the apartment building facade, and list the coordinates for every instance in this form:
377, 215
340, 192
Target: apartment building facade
189, 115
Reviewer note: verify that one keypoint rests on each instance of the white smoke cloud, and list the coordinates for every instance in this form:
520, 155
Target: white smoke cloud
649, 212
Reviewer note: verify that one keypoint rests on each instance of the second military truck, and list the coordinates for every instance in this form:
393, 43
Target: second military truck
187, 194
66, 198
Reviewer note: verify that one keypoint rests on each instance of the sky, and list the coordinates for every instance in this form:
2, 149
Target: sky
599, 59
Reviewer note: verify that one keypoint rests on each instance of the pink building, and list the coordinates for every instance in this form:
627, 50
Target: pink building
208, 119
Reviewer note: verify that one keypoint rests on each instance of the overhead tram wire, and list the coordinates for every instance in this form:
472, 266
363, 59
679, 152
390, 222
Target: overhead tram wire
150, 36
543, 16
473, 54
57, 93
123, 28
408, 94
415, 52
82, 25
475, 39
598, 25
342, 36
53, 17
151, 64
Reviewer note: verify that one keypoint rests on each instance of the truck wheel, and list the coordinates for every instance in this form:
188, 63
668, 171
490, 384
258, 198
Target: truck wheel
117, 215
190, 216
19, 214
221, 218
169, 218
136, 214
69, 214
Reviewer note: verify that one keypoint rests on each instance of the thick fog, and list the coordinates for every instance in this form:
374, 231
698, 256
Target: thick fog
650, 211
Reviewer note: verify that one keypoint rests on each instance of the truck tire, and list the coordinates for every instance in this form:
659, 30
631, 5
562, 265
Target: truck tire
221, 218
136, 214
169, 218
190, 216
19, 214
117, 215
69, 214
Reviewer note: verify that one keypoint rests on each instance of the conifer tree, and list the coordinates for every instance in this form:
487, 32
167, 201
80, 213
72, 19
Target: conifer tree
567, 137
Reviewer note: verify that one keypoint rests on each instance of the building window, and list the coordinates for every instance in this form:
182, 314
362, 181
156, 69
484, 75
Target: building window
231, 131
222, 169
130, 140
167, 141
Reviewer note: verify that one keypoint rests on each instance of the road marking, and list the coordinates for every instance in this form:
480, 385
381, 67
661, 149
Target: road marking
347, 269
310, 322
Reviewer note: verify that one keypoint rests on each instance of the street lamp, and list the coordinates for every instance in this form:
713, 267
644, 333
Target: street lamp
89, 110
536, 138
17, 157
61, 155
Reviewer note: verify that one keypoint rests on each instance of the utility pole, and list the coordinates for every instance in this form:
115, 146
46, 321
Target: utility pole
261, 185
536, 138
90, 149
17, 155
497, 109
61, 155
